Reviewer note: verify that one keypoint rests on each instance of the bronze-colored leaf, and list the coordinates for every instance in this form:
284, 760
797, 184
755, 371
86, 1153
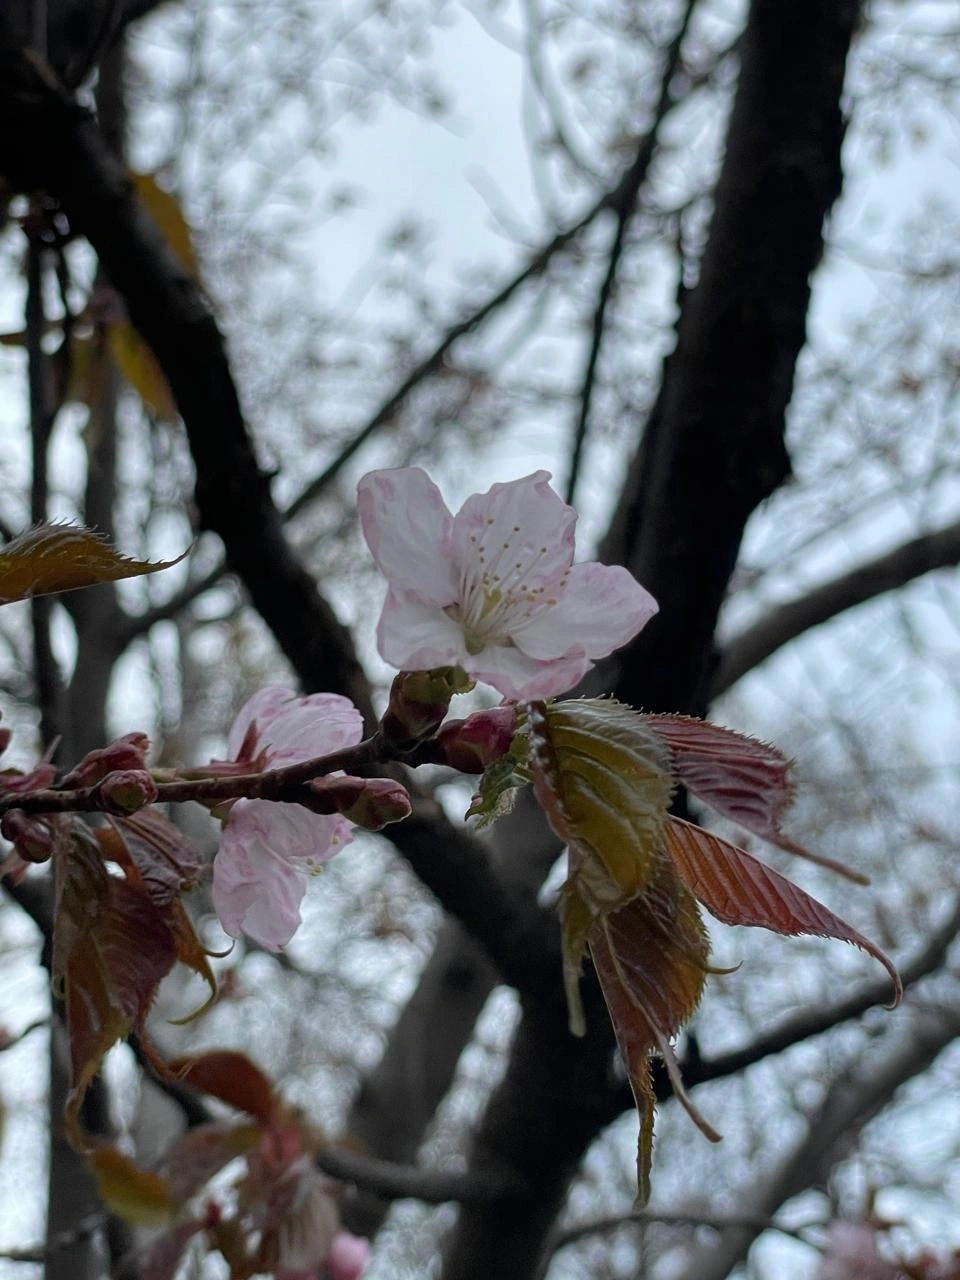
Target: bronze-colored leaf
231, 1077
134, 1194
111, 949
745, 780
651, 960
739, 889
63, 557
200, 1154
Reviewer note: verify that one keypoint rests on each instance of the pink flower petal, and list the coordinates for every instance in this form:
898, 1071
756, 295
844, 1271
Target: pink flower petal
408, 529
523, 531
602, 607
264, 706
259, 874
413, 636
521, 678
348, 1256
311, 726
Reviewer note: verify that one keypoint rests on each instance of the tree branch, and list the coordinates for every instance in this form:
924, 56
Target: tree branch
624, 202
887, 572
48, 142
850, 1102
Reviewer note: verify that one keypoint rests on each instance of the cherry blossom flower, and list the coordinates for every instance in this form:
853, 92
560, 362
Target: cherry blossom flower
269, 848
493, 589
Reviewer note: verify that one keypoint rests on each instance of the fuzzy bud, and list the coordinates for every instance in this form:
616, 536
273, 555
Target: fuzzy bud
127, 790
419, 700
127, 753
370, 803
472, 744
32, 837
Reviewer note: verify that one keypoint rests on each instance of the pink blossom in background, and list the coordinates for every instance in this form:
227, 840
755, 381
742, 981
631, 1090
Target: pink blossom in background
348, 1256
493, 589
268, 849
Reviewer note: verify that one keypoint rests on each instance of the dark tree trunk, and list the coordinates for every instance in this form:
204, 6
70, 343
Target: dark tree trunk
711, 452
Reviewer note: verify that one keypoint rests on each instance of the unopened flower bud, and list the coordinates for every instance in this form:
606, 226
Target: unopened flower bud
127, 753
371, 803
419, 700
32, 837
472, 744
127, 790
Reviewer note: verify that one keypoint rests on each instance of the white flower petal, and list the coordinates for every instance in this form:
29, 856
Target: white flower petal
519, 677
521, 532
602, 607
413, 636
408, 529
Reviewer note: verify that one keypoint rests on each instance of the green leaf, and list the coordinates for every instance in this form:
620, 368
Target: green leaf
602, 777
63, 557
501, 782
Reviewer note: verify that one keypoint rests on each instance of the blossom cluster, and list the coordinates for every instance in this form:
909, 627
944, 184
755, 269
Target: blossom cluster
491, 592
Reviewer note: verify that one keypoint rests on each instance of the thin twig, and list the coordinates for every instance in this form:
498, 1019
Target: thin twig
285, 783
623, 204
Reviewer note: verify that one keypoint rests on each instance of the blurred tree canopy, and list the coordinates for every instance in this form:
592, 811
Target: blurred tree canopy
699, 259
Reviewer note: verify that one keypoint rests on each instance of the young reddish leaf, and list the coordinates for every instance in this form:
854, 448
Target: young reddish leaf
232, 1078
160, 1259
111, 949
745, 780
134, 1194
738, 889
157, 856
164, 860
202, 1152
651, 960
63, 557
192, 953
603, 780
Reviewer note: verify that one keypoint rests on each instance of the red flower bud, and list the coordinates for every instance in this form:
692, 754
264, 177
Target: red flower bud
371, 803
32, 837
128, 752
419, 700
472, 744
127, 790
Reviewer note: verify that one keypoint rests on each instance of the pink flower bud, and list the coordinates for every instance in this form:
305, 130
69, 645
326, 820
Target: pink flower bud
472, 744
371, 803
419, 700
127, 790
128, 752
32, 837
348, 1256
